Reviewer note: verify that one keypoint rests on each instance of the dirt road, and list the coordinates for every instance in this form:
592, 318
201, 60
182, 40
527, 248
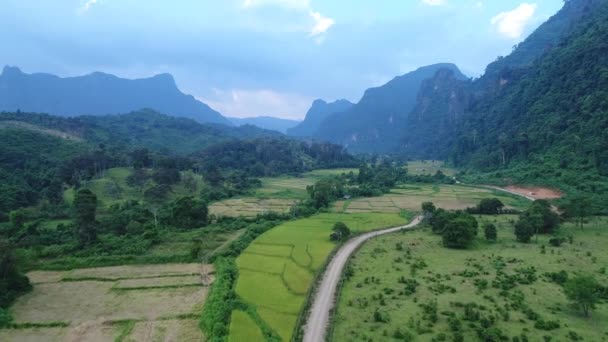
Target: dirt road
318, 319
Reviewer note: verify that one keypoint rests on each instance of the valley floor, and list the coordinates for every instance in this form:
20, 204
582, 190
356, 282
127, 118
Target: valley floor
408, 285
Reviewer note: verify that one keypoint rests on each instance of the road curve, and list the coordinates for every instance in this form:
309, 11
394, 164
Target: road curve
323, 302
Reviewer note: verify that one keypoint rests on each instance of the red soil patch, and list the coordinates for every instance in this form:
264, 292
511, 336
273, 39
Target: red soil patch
535, 192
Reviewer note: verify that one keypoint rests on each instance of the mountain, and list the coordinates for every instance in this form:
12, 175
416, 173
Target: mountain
266, 122
319, 111
544, 121
98, 94
375, 123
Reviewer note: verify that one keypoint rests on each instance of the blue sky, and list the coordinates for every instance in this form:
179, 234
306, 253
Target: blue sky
263, 57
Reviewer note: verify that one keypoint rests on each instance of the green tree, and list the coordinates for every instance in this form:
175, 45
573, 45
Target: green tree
490, 206
12, 282
17, 218
525, 228
460, 232
188, 213
579, 207
583, 291
428, 209
340, 231
85, 207
549, 220
489, 231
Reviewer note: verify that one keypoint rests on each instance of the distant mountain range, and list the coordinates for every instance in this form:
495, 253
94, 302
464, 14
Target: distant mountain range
99, 94
376, 122
318, 112
266, 122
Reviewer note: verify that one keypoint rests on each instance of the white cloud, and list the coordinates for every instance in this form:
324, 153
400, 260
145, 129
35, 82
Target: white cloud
244, 103
434, 2
479, 4
322, 24
87, 6
293, 4
511, 24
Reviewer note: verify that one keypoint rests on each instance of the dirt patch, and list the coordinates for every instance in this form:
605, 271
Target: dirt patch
535, 191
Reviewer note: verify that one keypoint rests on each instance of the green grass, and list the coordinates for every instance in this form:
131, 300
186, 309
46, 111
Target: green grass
429, 167
243, 328
111, 187
380, 258
277, 269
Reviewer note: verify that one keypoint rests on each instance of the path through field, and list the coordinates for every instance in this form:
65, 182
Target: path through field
323, 302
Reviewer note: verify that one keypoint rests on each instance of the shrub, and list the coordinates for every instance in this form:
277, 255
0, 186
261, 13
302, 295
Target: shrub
490, 232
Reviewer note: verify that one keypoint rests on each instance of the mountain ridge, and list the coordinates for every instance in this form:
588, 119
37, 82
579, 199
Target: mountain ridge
99, 93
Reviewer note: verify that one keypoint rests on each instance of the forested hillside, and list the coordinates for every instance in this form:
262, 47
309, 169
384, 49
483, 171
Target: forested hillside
541, 122
42, 154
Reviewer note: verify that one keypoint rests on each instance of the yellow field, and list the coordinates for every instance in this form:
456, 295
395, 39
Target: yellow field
277, 269
160, 301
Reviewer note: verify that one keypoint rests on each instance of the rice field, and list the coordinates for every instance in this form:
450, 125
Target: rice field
129, 303
243, 328
277, 269
429, 167
250, 206
410, 197
471, 287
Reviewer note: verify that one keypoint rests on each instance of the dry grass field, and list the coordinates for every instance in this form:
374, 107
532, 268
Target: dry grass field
250, 206
410, 197
121, 303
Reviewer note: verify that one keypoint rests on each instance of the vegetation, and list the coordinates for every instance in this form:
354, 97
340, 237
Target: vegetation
276, 271
583, 291
403, 287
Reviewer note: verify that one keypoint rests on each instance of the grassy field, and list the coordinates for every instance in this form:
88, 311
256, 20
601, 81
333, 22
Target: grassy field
410, 197
393, 290
429, 167
112, 188
294, 187
277, 269
130, 303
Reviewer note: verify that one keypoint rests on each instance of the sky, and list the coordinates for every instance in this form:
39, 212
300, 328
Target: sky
264, 57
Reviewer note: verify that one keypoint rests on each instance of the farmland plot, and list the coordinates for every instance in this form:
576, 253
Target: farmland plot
277, 269
410, 197
147, 302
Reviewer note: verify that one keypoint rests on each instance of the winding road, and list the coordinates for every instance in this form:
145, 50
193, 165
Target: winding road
318, 319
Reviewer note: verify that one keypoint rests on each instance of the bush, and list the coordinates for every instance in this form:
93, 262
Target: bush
546, 325
489, 231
